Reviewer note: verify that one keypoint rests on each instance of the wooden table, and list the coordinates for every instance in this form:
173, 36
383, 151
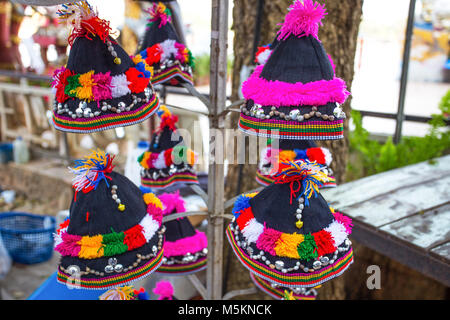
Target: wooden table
404, 214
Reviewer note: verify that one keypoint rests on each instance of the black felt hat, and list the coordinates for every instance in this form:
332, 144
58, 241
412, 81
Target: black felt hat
294, 95
114, 234
279, 151
168, 161
185, 248
101, 87
287, 234
161, 48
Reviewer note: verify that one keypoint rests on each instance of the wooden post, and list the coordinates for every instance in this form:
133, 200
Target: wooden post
218, 78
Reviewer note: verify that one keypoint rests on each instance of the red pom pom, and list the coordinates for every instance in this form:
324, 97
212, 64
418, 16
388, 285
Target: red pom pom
244, 217
134, 237
324, 242
168, 157
153, 54
316, 154
60, 84
137, 80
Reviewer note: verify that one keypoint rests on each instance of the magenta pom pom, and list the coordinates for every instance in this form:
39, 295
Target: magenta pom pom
344, 220
172, 201
164, 289
303, 19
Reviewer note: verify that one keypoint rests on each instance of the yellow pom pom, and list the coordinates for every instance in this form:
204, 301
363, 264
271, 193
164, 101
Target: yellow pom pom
299, 224
151, 198
117, 60
121, 207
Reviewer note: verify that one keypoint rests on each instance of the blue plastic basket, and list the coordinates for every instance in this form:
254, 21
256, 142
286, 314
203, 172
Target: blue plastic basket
27, 237
6, 152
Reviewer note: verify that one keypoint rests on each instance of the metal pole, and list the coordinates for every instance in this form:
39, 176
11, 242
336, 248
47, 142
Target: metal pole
404, 76
218, 78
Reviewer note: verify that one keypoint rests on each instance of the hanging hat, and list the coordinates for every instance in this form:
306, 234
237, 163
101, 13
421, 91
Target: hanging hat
125, 293
287, 234
185, 248
264, 52
172, 61
291, 150
279, 292
101, 87
164, 290
168, 161
114, 234
295, 94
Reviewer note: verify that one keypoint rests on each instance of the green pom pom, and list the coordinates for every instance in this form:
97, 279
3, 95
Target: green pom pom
139, 159
307, 250
191, 59
72, 84
114, 244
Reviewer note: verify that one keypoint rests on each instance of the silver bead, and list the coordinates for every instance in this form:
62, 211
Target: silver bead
79, 112
279, 264
118, 268
317, 265
294, 114
324, 260
109, 268
299, 210
298, 216
284, 270
114, 196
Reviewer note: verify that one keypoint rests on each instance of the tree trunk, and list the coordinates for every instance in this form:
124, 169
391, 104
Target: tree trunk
339, 36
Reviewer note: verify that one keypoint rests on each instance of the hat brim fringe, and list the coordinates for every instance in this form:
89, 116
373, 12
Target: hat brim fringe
293, 280
106, 122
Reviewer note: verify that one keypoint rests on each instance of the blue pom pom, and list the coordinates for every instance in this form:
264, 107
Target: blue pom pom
242, 202
300, 154
143, 296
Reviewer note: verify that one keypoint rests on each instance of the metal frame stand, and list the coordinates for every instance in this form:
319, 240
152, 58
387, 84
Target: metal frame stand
217, 110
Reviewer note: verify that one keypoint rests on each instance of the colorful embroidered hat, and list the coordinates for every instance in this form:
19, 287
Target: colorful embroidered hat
291, 150
125, 293
161, 48
101, 87
279, 292
168, 161
294, 95
185, 248
114, 234
287, 234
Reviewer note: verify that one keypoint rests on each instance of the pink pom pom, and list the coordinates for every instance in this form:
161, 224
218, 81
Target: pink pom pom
171, 202
164, 289
303, 19
344, 220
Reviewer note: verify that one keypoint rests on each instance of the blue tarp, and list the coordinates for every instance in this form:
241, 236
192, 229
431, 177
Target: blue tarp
53, 290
